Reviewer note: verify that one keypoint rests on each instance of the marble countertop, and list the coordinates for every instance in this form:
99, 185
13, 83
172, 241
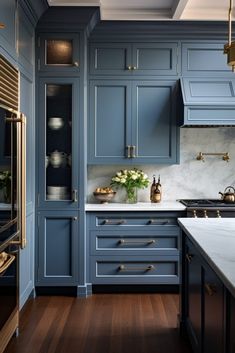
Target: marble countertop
140, 206
215, 239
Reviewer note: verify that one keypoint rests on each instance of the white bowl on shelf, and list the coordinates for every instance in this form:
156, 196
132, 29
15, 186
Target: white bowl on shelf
55, 123
58, 197
57, 190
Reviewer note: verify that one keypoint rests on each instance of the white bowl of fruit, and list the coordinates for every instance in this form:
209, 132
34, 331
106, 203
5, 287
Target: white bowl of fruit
104, 194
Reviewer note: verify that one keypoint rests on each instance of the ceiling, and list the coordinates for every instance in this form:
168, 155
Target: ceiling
154, 9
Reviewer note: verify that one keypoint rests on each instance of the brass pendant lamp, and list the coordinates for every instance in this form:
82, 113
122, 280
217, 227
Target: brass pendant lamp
2, 25
229, 48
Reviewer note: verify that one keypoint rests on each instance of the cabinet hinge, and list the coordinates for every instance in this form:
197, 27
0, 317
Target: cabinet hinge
39, 64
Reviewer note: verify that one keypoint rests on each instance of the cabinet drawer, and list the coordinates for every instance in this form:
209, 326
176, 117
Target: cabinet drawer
134, 242
114, 220
134, 270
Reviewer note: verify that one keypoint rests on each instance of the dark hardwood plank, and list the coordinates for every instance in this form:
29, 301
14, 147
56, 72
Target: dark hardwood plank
103, 323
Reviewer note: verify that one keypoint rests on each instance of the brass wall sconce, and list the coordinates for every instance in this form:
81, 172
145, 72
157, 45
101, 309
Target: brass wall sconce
201, 156
229, 48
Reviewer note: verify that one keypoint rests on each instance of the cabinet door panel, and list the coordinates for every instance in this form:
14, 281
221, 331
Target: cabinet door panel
213, 311
8, 35
109, 121
110, 58
58, 145
154, 125
58, 238
194, 297
155, 59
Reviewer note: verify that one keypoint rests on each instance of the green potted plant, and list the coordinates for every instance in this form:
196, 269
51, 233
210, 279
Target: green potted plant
131, 180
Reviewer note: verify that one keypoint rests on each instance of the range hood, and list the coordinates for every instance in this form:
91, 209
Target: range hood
208, 102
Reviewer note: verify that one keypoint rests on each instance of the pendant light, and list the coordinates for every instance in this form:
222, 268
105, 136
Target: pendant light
2, 25
229, 48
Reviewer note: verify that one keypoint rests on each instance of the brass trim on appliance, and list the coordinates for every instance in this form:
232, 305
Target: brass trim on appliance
210, 289
6, 260
74, 195
126, 268
133, 241
9, 84
8, 329
189, 257
194, 213
218, 214
23, 181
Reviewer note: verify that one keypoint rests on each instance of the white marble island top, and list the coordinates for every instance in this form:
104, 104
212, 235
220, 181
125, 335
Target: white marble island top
215, 239
139, 206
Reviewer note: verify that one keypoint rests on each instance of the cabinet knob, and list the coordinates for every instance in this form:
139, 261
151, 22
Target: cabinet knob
129, 68
76, 64
75, 218
134, 68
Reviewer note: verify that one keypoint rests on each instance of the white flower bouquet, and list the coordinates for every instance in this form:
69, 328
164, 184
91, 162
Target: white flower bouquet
131, 180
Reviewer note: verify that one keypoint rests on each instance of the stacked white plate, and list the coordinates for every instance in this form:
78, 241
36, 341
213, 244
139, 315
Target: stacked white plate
57, 193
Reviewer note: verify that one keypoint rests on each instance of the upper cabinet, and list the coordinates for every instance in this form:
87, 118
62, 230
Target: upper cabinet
59, 53
58, 146
204, 59
132, 122
134, 59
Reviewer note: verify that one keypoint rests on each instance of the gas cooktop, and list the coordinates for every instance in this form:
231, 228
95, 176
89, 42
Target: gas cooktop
206, 203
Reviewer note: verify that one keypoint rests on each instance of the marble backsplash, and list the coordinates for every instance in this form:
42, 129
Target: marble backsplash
189, 179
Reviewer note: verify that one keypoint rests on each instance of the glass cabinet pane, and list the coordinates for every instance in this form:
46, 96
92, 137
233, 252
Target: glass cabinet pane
59, 52
58, 142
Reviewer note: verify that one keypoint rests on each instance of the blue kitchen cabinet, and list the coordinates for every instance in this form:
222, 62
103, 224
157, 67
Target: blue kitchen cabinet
133, 248
132, 122
58, 143
134, 59
204, 59
59, 53
57, 248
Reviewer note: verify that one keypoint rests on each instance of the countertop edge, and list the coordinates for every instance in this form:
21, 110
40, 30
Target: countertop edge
142, 206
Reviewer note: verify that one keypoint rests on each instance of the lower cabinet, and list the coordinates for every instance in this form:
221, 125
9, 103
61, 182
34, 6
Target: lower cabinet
57, 248
203, 295
133, 247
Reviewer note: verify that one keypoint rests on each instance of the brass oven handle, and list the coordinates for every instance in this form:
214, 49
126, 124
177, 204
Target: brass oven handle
218, 214
115, 223
7, 263
74, 195
147, 242
156, 222
21, 174
189, 257
210, 289
128, 148
126, 268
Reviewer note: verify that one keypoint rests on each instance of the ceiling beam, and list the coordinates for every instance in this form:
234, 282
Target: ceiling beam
178, 8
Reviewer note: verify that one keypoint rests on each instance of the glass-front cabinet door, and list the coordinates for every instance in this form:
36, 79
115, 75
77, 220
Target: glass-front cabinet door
59, 51
58, 143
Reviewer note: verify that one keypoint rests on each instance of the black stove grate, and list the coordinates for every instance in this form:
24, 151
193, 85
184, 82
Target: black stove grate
206, 203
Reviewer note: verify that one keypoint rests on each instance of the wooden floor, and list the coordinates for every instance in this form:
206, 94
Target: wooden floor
102, 323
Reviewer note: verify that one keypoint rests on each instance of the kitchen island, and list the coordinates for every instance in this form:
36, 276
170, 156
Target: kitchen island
207, 313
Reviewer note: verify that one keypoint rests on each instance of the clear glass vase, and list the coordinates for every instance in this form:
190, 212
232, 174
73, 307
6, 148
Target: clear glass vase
132, 195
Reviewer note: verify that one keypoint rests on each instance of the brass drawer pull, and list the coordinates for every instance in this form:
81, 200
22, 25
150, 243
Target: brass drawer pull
75, 195
133, 151
5, 261
158, 223
114, 223
210, 289
189, 257
126, 268
128, 148
147, 242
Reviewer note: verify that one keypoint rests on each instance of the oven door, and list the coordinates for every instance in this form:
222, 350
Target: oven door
8, 284
12, 176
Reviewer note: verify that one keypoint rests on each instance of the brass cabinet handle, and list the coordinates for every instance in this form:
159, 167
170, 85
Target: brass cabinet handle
218, 214
133, 151
74, 195
6, 260
189, 257
157, 222
113, 222
76, 63
147, 242
210, 289
132, 268
128, 148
